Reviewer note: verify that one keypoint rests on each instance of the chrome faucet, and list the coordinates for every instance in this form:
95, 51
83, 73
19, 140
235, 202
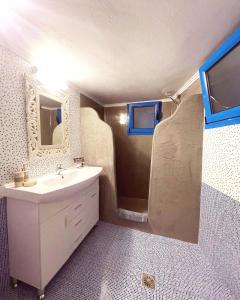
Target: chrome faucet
59, 170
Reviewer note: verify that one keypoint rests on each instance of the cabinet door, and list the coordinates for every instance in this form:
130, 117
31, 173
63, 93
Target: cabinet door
93, 206
92, 200
54, 246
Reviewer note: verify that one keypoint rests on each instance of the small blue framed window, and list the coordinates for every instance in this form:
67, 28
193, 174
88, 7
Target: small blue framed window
219, 77
143, 117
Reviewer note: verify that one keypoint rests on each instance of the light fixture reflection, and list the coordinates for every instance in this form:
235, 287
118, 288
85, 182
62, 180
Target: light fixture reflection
123, 118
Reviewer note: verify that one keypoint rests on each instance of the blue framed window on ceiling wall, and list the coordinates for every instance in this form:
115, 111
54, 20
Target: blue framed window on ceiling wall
143, 117
220, 83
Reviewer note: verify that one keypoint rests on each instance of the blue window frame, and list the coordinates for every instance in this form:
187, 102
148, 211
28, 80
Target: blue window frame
143, 122
228, 116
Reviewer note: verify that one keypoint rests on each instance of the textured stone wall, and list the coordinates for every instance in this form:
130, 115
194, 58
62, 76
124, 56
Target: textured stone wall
219, 235
175, 180
98, 149
13, 128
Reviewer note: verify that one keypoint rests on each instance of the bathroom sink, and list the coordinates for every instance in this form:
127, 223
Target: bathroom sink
71, 176
51, 187
67, 177
57, 180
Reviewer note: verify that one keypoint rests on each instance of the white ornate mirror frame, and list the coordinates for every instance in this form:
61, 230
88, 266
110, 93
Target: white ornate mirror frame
36, 150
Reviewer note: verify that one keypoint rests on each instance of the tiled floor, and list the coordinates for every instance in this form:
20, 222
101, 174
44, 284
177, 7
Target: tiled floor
109, 265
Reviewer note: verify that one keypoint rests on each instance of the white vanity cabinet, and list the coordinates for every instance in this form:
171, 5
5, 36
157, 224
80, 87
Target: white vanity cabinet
42, 236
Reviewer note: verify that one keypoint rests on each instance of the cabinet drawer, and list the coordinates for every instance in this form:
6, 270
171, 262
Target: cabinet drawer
93, 194
83, 214
85, 203
76, 227
92, 200
51, 209
78, 239
77, 232
77, 208
79, 228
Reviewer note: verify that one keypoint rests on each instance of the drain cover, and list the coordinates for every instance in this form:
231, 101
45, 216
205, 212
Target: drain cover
148, 280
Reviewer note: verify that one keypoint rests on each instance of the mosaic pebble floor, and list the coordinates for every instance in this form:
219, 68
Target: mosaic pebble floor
109, 264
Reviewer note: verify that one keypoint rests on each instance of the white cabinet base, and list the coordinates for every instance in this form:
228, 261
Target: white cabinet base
42, 236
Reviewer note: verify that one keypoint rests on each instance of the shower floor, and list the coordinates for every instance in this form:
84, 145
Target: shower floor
110, 263
134, 204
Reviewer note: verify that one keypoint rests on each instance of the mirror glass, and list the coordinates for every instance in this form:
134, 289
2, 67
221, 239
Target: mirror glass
51, 125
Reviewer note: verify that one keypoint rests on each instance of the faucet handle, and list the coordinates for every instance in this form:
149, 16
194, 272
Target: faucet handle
79, 161
76, 159
59, 166
82, 160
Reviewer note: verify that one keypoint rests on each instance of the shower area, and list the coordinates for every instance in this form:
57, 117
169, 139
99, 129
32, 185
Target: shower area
150, 181
133, 160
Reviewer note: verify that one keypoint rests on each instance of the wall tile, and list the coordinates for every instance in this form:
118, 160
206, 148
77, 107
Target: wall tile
219, 236
13, 130
221, 160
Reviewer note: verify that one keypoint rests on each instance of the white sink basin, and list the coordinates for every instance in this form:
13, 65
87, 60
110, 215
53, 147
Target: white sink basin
50, 187
69, 177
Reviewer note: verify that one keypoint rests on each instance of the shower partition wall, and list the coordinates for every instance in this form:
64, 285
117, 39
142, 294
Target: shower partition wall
98, 150
175, 180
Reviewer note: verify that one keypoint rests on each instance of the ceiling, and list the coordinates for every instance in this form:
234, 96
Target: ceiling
49, 102
120, 50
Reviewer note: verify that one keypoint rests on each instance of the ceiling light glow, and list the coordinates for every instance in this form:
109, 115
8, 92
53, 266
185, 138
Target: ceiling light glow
9, 14
54, 66
7, 7
51, 80
57, 64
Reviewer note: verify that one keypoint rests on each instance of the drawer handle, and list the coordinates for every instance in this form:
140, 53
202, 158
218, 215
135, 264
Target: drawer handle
77, 207
78, 222
93, 195
78, 238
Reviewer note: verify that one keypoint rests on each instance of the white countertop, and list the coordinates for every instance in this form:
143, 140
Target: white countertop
49, 187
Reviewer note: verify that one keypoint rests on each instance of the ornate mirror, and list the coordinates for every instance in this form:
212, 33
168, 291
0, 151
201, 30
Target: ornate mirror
47, 121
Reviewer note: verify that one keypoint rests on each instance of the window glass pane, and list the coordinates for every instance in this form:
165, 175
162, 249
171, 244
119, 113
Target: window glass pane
143, 117
223, 82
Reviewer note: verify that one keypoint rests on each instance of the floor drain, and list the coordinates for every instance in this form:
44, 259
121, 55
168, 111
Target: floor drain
148, 281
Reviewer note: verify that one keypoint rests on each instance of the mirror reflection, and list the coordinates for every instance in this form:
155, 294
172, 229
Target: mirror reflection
51, 121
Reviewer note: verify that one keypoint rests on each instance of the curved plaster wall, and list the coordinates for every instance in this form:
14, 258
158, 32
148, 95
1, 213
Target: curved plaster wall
175, 178
98, 149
